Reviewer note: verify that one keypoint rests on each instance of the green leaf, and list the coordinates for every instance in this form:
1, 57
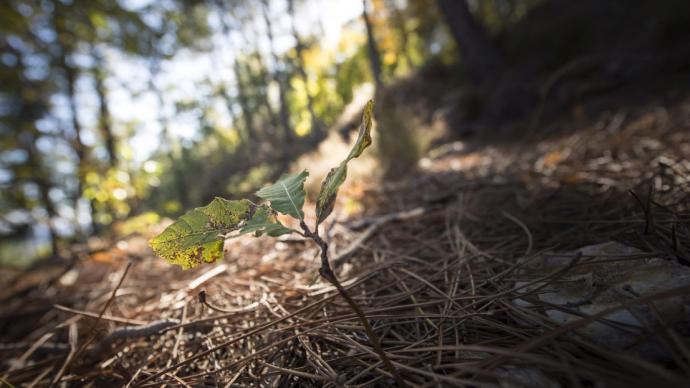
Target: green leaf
337, 175
287, 195
264, 222
364, 136
196, 237
329, 191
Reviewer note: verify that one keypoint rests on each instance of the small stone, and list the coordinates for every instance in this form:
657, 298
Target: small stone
598, 277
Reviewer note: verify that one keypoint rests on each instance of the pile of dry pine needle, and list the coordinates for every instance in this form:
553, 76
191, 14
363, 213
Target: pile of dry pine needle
435, 272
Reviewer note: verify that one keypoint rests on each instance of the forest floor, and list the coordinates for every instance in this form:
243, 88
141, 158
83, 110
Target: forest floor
556, 258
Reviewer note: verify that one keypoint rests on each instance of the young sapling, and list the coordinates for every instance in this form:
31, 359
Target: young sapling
198, 236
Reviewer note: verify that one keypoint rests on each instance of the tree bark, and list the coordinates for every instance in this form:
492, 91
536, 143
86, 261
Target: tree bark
247, 113
105, 119
179, 177
259, 84
70, 72
315, 123
248, 134
374, 56
223, 91
279, 78
399, 22
27, 115
481, 59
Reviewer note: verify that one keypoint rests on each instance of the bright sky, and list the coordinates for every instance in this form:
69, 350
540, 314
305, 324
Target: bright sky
180, 77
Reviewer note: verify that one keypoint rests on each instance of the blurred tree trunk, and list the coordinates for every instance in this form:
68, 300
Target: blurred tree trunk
259, 84
374, 57
247, 112
176, 165
104, 120
99, 73
71, 78
79, 147
280, 79
299, 48
26, 118
481, 59
64, 44
44, 185
399, 22
229, 103
223, 91
248, 134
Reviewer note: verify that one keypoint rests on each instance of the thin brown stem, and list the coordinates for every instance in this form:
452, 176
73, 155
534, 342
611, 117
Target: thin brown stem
327, 273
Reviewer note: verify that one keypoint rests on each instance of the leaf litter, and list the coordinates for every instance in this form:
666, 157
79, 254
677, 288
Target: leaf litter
440, 286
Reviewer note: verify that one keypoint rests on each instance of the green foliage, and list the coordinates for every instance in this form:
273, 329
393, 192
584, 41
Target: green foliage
197, 237
137, 223
337, 175
264, 222
287, 195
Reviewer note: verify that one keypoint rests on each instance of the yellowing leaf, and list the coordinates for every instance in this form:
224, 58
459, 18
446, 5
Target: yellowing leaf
329, 191
336, 177
287, 195
196, 238
364, 136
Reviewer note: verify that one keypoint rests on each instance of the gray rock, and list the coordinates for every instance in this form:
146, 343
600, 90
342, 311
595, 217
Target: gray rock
597, 277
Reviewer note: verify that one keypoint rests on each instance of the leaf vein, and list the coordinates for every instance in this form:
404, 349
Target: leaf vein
291, 201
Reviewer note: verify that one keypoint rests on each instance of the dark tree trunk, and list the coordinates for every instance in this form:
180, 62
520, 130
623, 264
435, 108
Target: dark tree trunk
247, 112
279, 78
104, 120
44, 185
248, 134
79, 147
175, 162
374, 57
315, 123
223, 91
26, 119
260, 86
481, 59
65, 48
399, 22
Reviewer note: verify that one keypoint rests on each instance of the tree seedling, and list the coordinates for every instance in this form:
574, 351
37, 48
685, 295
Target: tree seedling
198, 236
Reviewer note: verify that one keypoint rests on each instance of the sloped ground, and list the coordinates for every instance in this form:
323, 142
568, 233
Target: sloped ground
443, 264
